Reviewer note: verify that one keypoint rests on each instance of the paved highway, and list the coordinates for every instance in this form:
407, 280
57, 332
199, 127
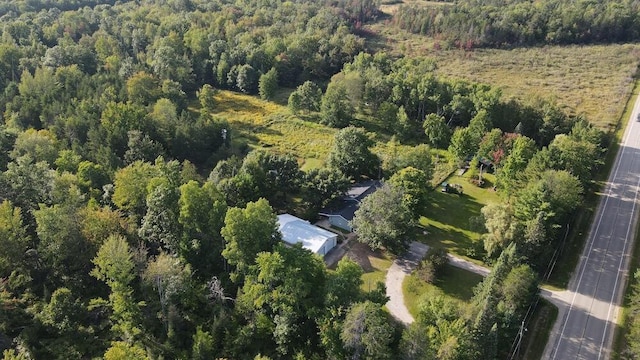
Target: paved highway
586, 322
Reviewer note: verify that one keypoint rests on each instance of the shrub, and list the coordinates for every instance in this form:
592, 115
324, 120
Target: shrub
432, 265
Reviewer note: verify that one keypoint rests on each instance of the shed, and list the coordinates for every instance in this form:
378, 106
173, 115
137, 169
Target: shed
295, 230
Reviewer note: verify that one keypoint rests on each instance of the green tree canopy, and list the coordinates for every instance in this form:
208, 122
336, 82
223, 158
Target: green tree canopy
248, 231
351, 154
384, 221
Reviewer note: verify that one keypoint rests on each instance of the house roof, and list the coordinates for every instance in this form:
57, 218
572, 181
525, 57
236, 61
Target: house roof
360, 190
348, 205
295, 230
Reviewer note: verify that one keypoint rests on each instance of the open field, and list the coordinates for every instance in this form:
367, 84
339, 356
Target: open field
593, 80
264, 124
454, 283
447, 220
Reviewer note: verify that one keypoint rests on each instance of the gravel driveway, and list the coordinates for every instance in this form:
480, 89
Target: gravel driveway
400, 268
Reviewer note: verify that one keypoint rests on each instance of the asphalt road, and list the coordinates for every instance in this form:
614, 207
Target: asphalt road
586, 322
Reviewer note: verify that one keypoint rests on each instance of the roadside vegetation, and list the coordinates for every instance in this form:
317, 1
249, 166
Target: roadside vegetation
142, 168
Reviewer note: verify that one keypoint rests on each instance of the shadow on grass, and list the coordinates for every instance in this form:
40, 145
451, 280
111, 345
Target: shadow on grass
458, 283
447, 224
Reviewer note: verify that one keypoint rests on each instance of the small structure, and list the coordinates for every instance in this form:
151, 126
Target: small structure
295, 230
342, 212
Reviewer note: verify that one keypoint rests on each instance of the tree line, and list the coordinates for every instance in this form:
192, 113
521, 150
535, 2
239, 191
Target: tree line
471, 23
114, 243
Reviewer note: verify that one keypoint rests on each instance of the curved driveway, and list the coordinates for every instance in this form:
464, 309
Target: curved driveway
585, 325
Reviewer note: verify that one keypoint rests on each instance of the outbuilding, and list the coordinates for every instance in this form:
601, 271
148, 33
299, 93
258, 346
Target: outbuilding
295, 230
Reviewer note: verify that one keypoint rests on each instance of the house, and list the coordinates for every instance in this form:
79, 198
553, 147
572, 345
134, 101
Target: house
342, 212
295, 230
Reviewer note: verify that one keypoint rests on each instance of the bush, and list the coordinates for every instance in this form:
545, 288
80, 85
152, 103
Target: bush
432, 265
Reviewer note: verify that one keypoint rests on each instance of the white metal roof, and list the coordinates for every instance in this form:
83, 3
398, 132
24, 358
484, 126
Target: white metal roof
295, 230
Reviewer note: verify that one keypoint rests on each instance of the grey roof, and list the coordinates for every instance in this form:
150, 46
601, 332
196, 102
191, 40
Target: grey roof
348, 205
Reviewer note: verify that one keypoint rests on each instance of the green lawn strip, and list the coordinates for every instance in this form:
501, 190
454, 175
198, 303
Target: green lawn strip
538, 330
376, 272
572, 250
446, 223
455, 283
622, 327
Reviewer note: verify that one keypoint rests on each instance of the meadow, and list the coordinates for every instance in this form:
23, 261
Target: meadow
594, 81
263, 124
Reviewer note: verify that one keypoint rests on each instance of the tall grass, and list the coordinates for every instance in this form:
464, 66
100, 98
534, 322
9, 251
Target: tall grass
594, 81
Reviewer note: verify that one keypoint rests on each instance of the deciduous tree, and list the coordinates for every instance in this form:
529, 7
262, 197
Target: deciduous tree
384, 221
248, 231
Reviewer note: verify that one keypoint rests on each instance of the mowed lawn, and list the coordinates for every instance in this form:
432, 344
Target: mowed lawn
454, 283
593, 80
448, 220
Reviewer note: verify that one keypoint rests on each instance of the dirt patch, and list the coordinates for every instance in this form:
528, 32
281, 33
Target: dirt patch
360, 253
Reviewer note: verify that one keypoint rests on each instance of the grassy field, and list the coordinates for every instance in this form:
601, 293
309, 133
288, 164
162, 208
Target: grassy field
592, 80
447, 220
454, 283
264, 124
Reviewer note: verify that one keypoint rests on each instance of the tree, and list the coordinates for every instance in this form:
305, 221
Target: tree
414, 344
464, 143
367, 333
403, 127
160, 225
268, 84
274, 174
141, 148
203, 345
14, 240
288, 286
577, 157
247, 232
121, 350
306, 97
202, 213
142, 88
114, 265
336, 109
383, 220
343, 285
415, 186
247, 80
321, 186
40, 145
351, 155
205, 96
512, 171
437, 131
502, 227
131, 186
28, 183
169, 278
63, 250
164, 119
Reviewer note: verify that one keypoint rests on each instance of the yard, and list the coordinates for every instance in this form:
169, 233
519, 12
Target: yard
454, 283
449, 220
374, 264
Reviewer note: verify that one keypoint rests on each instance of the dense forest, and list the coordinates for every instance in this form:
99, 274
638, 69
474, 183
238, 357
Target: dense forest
473, 23
132, 226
